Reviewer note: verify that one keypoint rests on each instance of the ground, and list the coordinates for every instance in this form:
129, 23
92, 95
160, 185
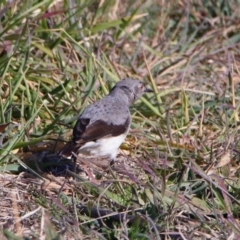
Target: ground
177, 173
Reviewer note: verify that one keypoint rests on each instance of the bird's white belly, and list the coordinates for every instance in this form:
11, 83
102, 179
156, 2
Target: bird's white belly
105, 147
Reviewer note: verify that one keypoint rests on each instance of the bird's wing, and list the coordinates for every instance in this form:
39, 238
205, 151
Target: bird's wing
85, 132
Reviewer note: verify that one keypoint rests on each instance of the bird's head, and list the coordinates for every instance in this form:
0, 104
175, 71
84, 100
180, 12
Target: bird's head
130, 88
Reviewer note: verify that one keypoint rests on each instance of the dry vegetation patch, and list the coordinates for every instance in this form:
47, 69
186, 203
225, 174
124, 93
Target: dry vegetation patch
177, 174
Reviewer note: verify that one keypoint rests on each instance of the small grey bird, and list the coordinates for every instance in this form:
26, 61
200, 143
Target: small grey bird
103, 125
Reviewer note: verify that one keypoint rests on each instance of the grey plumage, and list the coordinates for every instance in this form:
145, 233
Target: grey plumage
103, 125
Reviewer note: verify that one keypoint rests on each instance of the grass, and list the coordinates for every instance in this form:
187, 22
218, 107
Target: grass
177, 174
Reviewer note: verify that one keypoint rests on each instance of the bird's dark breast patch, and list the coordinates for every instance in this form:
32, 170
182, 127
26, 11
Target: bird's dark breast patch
97, 130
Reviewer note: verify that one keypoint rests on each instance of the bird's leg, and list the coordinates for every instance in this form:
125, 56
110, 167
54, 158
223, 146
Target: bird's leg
112, 161
74, 163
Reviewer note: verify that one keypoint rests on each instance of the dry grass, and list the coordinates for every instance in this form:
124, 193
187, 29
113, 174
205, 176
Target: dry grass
177, 174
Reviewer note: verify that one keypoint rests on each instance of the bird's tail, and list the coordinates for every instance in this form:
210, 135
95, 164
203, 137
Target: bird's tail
68, 149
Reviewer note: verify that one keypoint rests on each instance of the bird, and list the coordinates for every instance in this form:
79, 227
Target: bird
104, 125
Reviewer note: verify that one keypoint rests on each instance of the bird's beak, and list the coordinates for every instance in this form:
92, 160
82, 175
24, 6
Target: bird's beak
148, 90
